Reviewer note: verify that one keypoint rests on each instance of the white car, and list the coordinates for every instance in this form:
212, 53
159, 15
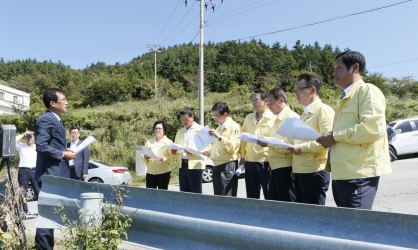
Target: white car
406, 139
207, 175
103, 173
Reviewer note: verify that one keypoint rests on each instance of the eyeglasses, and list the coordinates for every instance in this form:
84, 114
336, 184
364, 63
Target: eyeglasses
156, 128
216, 117
63, 100
300, 89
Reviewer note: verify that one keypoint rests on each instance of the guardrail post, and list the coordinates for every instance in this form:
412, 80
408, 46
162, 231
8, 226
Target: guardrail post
91, 204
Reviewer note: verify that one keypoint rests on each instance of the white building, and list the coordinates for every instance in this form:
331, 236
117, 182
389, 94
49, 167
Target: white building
13, 98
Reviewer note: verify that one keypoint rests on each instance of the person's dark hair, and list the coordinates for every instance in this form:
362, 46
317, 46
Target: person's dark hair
263, 93
74, 127
221, 107
187, 111
277, 93
51, 95
162, 123
387, 122
311, 80
351, 57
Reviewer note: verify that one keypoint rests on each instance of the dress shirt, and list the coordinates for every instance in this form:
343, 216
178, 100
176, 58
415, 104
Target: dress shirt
73, 145
359, 129
281, 157
188, 143
314, 156
252, 151
27, 154
226, 149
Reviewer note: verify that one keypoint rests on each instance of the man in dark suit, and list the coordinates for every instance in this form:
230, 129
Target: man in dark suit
79, 167
52, 154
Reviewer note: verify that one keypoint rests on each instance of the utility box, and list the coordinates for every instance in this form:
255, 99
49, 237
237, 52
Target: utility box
8, 141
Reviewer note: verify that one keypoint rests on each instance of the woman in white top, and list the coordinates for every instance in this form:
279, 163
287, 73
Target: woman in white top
158, 170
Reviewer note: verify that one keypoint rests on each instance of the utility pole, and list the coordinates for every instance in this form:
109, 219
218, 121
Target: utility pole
203, 5
155, 50
310, 66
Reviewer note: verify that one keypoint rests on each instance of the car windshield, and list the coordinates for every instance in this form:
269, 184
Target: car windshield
392, 124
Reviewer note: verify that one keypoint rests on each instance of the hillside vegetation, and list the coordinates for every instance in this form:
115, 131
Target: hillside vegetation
115, 103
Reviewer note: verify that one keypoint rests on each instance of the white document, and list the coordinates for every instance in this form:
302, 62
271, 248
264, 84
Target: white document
240, 169
89, 140
180, 147
275, 142
247, 137
150, 153
202, 139
294, 128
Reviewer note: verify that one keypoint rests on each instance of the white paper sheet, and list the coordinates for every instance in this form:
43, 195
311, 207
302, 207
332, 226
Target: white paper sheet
148, 151
294, 128
202, 139
180, 147
247, 137
240, 169
275, 142
89, 140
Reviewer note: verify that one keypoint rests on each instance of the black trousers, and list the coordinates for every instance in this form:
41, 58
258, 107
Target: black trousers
44, 239
24, 176
311, 188
159, 181
225, 182
190, 179
281, 185
356, 193
256, 177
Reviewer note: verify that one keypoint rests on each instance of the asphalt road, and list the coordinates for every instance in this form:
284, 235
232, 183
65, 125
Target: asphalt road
397, 193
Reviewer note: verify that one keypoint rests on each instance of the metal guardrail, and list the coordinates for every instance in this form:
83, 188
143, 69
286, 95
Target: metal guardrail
177, 220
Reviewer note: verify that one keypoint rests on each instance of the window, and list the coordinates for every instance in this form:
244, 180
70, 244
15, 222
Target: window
1, 95
416, 123
15, 99
405, 127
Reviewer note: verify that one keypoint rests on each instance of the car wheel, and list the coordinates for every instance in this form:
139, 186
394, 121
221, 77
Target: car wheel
97, 180
30, 194
207, 175
393, 151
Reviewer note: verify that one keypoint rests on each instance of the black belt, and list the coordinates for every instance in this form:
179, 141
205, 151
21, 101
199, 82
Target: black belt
29, 168
184, 160
72, 166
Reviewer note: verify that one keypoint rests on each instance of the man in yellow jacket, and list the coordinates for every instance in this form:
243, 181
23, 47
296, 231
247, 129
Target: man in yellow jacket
309, 159
281, 186
253, 155
224, 153
358, 141
191, 168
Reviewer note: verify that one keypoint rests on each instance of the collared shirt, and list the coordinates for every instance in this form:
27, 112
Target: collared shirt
314, 156
73, 146
361, 149
27, 154
226, 149
252, 151
188, 141
307, 108
348, 89
281, 157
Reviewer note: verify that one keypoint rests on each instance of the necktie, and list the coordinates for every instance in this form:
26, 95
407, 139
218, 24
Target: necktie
342, 95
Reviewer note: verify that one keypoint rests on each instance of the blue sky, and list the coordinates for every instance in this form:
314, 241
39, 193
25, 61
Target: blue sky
83, 32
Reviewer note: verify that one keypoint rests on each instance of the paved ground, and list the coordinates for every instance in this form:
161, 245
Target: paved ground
398, 193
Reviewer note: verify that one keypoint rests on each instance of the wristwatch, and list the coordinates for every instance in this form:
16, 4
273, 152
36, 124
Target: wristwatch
220, 138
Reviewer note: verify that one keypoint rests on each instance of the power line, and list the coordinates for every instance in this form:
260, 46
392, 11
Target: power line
416, 59
169, 18
325, 21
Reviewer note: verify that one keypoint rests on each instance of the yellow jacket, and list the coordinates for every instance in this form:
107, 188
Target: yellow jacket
252, 151
155, 166
195, 162
361, 148
281, 157
226, 149
314, 155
